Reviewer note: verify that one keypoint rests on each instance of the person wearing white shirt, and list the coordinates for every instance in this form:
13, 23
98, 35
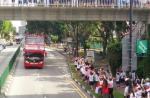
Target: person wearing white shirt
75, 62
91, 78
133, 94
148, 92
117, 79
138, 93
133, 75
78, 66
124, 74
122, 80
96, 77
86, 74
82, 70
126, 90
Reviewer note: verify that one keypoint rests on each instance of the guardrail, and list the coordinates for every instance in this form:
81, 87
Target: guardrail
78, 3
5, 73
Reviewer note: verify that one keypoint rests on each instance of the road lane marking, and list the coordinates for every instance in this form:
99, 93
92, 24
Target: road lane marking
78, 92
44, 97
76, 88
81, 92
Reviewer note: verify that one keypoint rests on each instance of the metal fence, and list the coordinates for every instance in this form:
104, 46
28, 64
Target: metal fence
77, 3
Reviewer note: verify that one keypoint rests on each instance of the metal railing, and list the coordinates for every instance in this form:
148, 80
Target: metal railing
78, 3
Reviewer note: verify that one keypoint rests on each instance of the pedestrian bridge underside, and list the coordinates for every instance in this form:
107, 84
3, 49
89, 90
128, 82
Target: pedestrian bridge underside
73, 14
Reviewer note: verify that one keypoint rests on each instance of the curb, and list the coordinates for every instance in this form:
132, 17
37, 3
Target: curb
88, 92
9, 78
83, 87
94, 96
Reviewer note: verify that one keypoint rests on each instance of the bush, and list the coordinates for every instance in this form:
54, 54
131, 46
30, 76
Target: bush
140, 68
146, 66
143, 67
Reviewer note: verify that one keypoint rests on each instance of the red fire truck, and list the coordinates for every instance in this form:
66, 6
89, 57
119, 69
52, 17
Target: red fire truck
34, 51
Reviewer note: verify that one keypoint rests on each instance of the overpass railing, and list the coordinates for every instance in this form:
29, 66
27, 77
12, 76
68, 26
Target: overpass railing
78, 3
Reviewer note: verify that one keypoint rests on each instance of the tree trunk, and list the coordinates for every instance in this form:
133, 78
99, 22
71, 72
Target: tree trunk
84, 46
104, 47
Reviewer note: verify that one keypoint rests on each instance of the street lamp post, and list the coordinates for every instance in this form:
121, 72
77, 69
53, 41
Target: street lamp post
130, 37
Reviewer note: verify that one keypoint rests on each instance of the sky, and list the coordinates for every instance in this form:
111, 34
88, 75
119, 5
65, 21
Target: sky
18, 23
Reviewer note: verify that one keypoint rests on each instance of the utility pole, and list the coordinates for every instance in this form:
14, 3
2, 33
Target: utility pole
130, 37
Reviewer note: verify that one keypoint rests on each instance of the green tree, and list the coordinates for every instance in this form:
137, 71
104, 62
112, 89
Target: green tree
114, 56
120, 26
89, 34
82, 32
6, 29
38, 26
48, 28
105, 32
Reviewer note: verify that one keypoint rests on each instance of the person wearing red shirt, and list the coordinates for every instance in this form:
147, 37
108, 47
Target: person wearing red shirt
105, 89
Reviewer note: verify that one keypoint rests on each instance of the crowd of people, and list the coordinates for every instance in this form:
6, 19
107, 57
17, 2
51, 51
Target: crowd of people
85, 3
102, 82
134, 87
99, 79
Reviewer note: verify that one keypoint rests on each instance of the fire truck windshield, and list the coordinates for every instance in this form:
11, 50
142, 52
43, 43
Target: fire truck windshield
34, 57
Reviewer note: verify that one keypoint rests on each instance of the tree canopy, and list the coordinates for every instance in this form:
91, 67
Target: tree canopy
6, 29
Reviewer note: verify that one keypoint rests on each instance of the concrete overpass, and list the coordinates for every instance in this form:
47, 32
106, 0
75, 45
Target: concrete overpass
72, 13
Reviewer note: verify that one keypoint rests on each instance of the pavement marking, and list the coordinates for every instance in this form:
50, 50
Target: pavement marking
76, 88
44, 97
79, 90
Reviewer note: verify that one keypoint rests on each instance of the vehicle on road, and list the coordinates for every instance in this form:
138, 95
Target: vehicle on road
2, 47
3, 43
18, 41
18, 38
34, 51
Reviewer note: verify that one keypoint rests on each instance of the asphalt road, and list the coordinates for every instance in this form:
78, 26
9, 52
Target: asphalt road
53, 81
